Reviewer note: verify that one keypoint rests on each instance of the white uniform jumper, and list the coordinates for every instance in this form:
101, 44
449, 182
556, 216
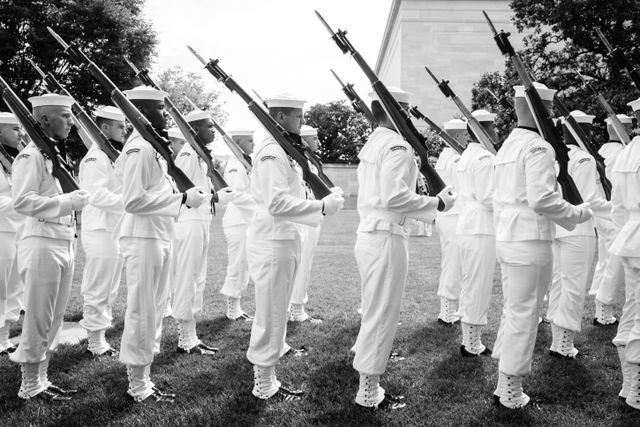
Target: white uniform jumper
11, 285
446, 223
625, 201
103, 263
573, 256
476, 237
235, 221
387, 176
144, 233
608, 278
190, 249
273, 251
45, 262
526, 205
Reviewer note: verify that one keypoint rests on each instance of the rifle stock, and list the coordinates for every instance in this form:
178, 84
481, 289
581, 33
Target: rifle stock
46, 145
398, 116
139, 122
284, 138
541, 116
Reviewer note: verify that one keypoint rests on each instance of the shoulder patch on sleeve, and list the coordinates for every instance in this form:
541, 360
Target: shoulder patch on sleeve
186, 153
232, 170
456, 160
90, 159
585, 159
398, 147
536, 150
23, 156
267, 157
486, 156
133, 150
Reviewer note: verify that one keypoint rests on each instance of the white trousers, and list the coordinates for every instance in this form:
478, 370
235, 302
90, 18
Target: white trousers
478, 261
572, 262
450, 265
303, 274
148, 271
237, 279
629, 328
10, 282
46, 268
383, 262
608, 278
272, 265
191, 246
100, 279
526, 274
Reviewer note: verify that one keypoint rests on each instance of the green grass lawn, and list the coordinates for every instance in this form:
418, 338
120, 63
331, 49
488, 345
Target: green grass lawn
442, 388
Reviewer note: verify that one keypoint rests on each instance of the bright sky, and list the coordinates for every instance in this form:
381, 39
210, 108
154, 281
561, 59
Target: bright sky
271, 46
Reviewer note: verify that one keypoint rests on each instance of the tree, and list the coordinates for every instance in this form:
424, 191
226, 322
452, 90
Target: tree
105, 29
342, 132
561, 40
179, 83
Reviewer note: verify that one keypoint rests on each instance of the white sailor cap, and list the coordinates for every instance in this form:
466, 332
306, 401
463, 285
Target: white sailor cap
545, 93
175, 133
197, 115
146, 92
285, 100
51, 99
635, 105
484, 116
397, 93
241, 132
581, 117
622, 117
308, 131
109, 112
8, 119
455, 124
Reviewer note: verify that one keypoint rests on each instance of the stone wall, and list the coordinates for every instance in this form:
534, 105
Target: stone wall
346, 177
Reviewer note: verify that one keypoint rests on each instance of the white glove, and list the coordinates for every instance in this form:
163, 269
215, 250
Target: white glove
448, 198
226, 195
195, 197
332, 203
585, 212
79, 199
337, 190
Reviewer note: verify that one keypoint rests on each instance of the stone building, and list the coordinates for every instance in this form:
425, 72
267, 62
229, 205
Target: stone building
452, 38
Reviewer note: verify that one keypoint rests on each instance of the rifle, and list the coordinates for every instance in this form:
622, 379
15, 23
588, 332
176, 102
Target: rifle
85, 120
139, 122
6, 159
60, 168
286, 140
235, 149
502, 100
455, 145
400, 118
189, 133
615, 121
620, 60
481, 134
308, 152
541, 116
585, 143
356, 102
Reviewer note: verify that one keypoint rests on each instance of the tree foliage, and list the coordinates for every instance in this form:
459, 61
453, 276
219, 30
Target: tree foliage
342, 132
105, 29
178, 83
560, 40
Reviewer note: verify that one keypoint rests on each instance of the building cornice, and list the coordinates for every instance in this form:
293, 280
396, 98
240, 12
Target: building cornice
393, 14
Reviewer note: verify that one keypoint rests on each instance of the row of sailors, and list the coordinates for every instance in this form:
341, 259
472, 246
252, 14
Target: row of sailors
509, 209
134, 217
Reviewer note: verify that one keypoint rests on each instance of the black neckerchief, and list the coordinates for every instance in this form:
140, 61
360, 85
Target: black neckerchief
529, 128
13, 152
116, 144
615, 142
